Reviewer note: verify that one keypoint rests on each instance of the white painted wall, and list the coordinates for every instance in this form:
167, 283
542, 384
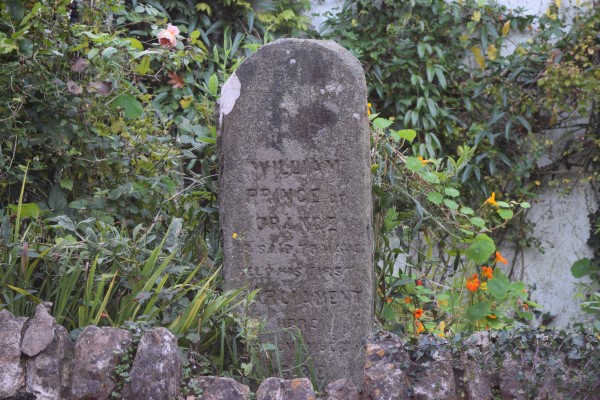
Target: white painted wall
559, 216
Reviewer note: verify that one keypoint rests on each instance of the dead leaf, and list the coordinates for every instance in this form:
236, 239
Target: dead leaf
101, 88
74, 88
476, 50
506, 28
492, 52
80, 65
175, 80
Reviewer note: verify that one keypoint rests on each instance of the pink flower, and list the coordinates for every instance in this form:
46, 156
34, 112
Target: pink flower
168, 37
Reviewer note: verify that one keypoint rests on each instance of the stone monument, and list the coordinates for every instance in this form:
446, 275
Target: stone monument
295, 198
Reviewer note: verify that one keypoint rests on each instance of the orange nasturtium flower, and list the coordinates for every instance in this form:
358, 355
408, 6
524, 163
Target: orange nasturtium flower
487, 272
499, 258
423, 161
420, 327
473, 283
418, 313
407, 300
491, 200
389, 300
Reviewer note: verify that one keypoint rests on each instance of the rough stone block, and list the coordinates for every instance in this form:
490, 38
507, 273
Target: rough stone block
342, 389
157, 369
39, 332
12, 376
512, 379
295, 198
49, 373
97, 352
436, 382
385, 374
217, 388
476, 383
285, 389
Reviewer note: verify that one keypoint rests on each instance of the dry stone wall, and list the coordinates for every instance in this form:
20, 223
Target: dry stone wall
500, 365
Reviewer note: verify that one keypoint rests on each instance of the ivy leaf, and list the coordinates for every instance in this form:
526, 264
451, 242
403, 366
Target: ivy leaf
406, 134
132, 107
66, 183
478, 311
581, 268
476, 50
381, 123
481, 249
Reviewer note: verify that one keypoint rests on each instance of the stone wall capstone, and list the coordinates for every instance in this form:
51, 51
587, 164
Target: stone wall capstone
295, 198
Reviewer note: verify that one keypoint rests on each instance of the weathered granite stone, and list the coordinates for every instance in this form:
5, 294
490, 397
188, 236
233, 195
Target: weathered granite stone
436, 382
295, 198
342, 389
480, 340
512, 379
285, 389
385, 376
97, 352
39, 332
476, 382
12, 376
49, 373
157, 369
217, 388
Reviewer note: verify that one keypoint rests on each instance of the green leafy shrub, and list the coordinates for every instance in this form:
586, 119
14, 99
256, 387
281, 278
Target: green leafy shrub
450, 280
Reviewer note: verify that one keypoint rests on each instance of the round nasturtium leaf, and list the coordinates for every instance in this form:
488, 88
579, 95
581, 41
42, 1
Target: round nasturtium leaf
451, 204
478, 222
435, 197
451, 192
505, 214
413, 164
581, 267
478, 311
481, 249
498, 285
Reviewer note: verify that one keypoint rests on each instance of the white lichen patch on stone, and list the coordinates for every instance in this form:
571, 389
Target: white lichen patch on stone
290, 105
356, 116
334, 88
229, 94
292, 61
331, 107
